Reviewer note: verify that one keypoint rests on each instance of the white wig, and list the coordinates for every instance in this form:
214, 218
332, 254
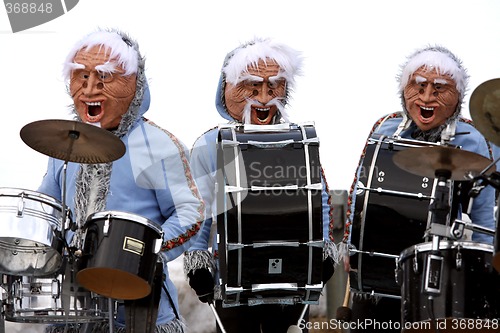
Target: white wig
435, 58
248, 55
113, 42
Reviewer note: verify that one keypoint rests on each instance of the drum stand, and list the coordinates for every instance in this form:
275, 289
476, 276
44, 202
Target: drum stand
440, 209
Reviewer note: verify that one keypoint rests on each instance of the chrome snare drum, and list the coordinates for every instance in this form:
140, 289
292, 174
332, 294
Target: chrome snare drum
30, 235
119, 255
46, 301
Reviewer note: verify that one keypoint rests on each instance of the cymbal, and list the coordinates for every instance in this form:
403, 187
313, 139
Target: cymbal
425, 161
72, 141
484, 108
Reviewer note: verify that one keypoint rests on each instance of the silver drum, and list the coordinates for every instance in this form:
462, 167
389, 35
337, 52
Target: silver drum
30, 233
55, 300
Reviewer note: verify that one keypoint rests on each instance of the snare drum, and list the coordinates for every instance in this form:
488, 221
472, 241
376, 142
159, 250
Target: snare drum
465, 288
119, 255
42, 300
270, 214
391, 213
30, 235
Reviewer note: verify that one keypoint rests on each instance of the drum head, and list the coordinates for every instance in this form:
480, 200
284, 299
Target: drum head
114, 283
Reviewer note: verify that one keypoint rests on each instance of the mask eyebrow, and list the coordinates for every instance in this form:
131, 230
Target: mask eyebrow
420, 79
74, 65
252, 78
440, 81
278, 77
108, 67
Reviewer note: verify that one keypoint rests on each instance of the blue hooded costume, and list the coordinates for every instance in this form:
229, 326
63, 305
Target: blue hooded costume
204, 165
153, 180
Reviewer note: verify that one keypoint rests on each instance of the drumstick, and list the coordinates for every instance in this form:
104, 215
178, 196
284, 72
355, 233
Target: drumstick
344, 313
296, 328
217, 318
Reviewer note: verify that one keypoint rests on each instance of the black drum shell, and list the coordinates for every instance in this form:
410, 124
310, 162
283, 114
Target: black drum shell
470, 288
121, 263
389, 217
272, 223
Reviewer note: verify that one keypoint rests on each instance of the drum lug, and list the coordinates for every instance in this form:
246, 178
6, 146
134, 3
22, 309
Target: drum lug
20, 206
397, 271
55, 289
415, 262
458, 259
105, 228
158, 244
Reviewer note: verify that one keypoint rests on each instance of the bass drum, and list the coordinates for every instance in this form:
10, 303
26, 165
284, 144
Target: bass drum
30, 236
455, 286
270, 222
391, 214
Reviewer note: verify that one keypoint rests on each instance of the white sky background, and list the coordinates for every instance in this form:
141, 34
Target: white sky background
353, 51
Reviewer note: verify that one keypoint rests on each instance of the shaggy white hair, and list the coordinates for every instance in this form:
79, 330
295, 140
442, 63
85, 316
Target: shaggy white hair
435, 58
247, 56
112, 42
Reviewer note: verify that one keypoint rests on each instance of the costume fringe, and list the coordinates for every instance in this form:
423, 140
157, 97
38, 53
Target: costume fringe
330, 250
174, 326
217, 292
198, 259
343, 250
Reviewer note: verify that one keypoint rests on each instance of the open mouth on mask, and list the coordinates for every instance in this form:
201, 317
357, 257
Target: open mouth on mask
94, 111
262, 113
426, 112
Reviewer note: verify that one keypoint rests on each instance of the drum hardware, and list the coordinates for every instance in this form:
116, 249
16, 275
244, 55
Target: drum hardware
458, 226
484, 108
492, 179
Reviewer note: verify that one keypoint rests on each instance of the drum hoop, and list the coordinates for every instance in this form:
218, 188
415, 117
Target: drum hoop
125, 216
36, 196
445, 245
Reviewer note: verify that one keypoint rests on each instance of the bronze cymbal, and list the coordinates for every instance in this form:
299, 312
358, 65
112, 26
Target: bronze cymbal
484, 108
425, 161
72, 141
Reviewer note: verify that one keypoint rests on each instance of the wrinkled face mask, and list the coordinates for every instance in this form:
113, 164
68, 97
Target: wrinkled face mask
257, 96
430, 98
100, 91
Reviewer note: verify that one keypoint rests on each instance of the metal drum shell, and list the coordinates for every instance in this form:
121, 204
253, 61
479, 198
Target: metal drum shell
30, 236
41, 301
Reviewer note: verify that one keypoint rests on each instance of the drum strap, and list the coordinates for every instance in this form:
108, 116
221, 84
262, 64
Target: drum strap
141, 314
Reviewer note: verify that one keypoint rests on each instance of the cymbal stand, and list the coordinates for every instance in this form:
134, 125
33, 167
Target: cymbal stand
440, 209
73, 135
